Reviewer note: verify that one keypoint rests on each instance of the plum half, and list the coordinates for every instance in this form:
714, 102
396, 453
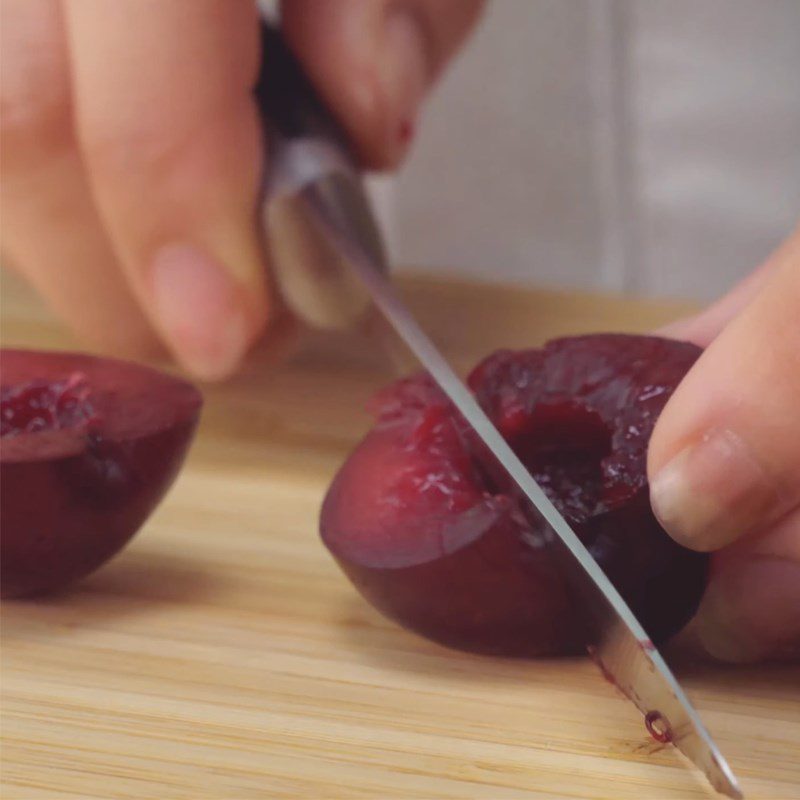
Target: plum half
88, 448
431, 533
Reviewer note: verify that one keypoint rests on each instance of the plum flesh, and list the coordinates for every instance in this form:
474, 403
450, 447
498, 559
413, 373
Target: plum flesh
88, 448
434, 537
40, 405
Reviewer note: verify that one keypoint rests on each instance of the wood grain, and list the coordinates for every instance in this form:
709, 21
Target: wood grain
223, 656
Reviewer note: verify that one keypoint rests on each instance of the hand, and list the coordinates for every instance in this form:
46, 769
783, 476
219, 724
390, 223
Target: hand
724, 462
132, 151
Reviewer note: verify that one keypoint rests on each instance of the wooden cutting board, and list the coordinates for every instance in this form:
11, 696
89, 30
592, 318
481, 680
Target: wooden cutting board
224, 656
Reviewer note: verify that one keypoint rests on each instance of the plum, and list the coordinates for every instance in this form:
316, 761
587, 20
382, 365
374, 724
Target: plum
88, 448
433, 535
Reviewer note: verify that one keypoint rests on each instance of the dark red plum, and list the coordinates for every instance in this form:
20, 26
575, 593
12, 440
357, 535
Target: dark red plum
88, 448
434, 537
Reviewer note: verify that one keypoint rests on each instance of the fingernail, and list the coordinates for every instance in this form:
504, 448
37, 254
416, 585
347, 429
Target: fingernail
404, 75
751, 611
712, 492
200, 311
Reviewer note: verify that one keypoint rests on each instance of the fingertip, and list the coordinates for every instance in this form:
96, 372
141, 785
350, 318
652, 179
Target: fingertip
713, 492
205, 317
375, 62
367, 64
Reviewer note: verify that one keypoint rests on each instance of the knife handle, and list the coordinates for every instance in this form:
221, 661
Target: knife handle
289, 103
311, 172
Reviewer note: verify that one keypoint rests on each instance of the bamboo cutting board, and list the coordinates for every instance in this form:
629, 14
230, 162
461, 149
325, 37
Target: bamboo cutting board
223, 656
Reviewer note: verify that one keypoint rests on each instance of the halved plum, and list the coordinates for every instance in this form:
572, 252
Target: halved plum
434, 537
88, 448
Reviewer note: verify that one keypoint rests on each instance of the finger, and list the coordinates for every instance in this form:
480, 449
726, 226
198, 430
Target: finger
375, 61
751, 609
703, 328
171, 137
724, 458
50, 229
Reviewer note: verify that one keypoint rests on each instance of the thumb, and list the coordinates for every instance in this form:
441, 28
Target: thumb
724, 467
375, 61
724, 458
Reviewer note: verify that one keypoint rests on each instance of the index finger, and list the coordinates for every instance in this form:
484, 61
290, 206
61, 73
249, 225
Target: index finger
751, 608
171, 137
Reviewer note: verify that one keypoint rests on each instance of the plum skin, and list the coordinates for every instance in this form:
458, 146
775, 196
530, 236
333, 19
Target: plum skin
491, 587
485, 593
71, 499
62, 519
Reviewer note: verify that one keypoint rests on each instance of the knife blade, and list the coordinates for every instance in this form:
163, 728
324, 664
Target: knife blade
332, 269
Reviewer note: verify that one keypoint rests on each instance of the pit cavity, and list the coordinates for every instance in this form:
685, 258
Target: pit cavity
563, 445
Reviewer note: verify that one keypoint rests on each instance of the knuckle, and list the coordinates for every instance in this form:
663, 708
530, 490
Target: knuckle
149, 142
174, 147
117, 144
34, 105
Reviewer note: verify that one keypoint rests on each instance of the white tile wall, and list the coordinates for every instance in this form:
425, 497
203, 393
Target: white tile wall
636, 145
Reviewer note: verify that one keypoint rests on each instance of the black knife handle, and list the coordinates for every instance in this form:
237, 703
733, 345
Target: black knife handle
288, 101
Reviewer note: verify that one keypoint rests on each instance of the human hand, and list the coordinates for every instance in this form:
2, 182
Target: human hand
724, 462
132, 151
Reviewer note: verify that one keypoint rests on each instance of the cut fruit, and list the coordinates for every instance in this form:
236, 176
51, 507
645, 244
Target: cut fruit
433, 535
89, 447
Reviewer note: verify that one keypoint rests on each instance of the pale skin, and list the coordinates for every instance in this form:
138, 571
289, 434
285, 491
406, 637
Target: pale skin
130, 136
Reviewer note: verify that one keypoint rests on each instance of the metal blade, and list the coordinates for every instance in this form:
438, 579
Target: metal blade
620, 645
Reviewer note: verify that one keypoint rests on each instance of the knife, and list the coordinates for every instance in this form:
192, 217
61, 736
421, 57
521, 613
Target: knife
331, 269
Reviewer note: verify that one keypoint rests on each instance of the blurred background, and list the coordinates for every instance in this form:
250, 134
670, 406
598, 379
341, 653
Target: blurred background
641, 146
